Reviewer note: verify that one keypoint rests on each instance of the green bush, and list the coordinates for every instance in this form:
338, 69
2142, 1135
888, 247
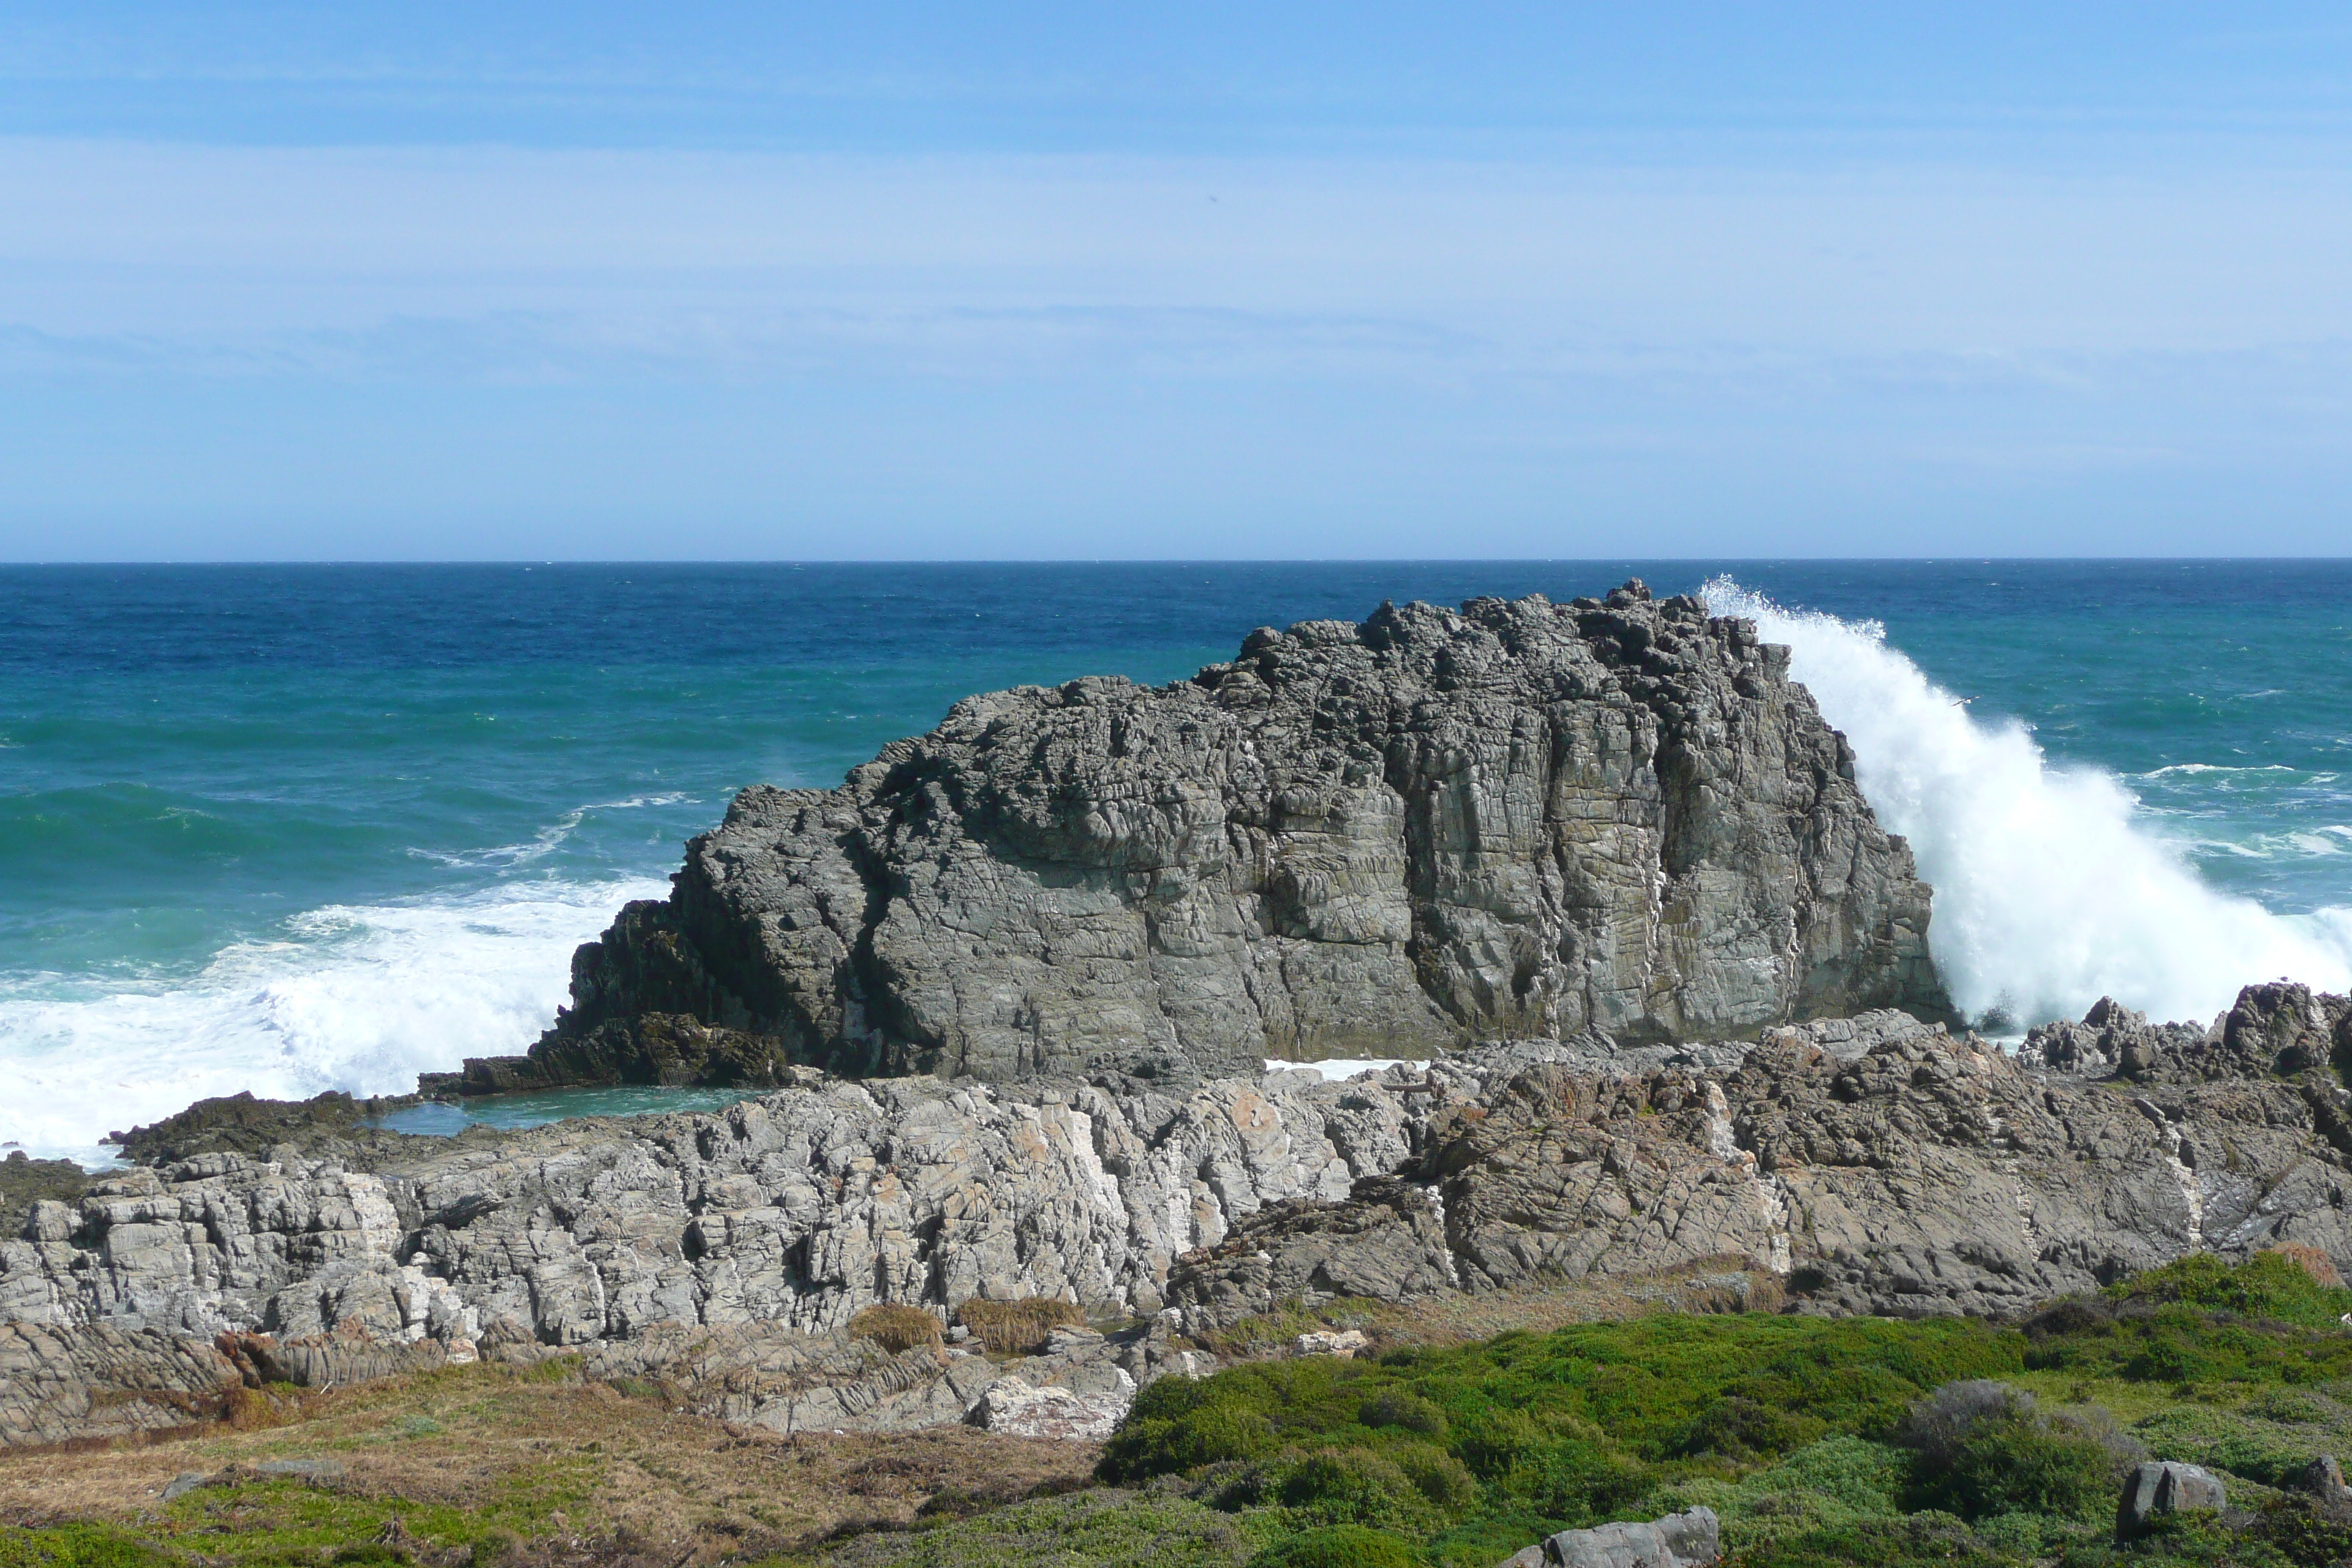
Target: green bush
1742, 1428
1981, 1449
1445, 1482
2020, 1465
1409, 1412
1209, 1435
2268, 1285
1342, 1546
1348, 1486
2219, 1440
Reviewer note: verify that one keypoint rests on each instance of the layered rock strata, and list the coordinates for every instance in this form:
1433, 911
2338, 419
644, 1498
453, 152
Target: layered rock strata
1874, 1164
1514, 820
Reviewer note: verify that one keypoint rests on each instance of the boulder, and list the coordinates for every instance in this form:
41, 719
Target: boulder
1678, 1540
2323, 1478
2164, 1486
1015, 1408
1517, 819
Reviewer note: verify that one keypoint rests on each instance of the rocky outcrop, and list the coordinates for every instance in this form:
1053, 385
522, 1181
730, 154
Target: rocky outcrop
241, 1124
669, 1049
2280, 1030
1872, 1164
2162, 1487
1686, 1540
1393, 838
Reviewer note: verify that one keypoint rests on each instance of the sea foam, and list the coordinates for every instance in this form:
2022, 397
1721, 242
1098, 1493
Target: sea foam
2052, 891
356, 997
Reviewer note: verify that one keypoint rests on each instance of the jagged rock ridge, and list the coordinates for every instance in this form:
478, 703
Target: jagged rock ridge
1873, 1165
1517, 820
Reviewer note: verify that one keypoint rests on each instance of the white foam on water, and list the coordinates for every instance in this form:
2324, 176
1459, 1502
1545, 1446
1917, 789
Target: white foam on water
359, 997
2051, 890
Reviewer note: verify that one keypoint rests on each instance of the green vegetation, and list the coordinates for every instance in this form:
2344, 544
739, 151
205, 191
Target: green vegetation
1817, 1442
1859, 1441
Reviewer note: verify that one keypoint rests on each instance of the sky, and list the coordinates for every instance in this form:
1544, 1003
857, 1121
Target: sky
902, 280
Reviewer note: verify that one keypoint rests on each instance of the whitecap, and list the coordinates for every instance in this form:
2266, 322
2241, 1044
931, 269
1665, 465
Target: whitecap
359, 997
2049, 890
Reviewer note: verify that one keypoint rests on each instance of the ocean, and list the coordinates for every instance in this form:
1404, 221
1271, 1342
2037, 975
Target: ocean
289, 828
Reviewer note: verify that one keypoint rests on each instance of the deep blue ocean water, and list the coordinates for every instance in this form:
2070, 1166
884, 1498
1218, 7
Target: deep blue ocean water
290, 827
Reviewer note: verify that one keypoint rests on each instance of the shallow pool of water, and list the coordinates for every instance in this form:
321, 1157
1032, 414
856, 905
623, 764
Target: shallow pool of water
441, 1120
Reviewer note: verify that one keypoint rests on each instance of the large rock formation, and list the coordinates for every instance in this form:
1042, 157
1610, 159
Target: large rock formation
1873, 1165
1516, 820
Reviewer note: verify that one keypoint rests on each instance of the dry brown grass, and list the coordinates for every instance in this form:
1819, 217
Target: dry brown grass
611, 1474
896, 1327
1020, 1327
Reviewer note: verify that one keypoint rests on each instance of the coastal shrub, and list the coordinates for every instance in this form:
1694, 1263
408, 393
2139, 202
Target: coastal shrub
1405, 1411
1342, 1546
2220, 1440
2281, 1284
896, 1327
1018, 1327
79, 1546
1348, 1486
1744, 1428
1445, 1480
1981, 1449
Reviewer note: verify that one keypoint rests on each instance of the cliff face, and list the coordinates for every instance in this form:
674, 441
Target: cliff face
1516, 820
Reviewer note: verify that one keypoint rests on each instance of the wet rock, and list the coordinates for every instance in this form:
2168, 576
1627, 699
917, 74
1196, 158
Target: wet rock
1520, 819
243, 1124
660, 1048
2161, 1487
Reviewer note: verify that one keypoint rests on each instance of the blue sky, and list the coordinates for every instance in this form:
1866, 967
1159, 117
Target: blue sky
441, 281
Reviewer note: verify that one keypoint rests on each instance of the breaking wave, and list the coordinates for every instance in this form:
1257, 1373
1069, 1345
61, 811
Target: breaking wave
2051, 888
357, 997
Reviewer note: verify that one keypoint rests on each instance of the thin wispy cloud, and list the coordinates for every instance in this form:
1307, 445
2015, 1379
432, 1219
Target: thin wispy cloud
1531, 271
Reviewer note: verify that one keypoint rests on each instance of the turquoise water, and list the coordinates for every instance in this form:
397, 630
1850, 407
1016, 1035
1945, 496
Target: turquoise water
510, 1110
289, 828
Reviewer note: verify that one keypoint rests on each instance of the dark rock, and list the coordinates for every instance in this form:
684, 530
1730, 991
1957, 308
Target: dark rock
2281, 1029
2164, 1486
327, 1360
671, 1050
2323, 1478
1520, 819
243, 1124
25, 1181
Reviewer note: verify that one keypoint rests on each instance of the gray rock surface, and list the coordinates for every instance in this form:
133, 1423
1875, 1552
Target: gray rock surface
2167, 1486
2281, 1029
1520, 819
1873, 1164
1684, 1540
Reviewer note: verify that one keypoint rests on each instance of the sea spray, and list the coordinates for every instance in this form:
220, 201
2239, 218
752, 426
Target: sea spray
2050, 891
359, 998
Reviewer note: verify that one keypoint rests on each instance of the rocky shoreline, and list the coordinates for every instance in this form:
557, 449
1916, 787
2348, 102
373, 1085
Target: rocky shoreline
1009, 992
1876, 1165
